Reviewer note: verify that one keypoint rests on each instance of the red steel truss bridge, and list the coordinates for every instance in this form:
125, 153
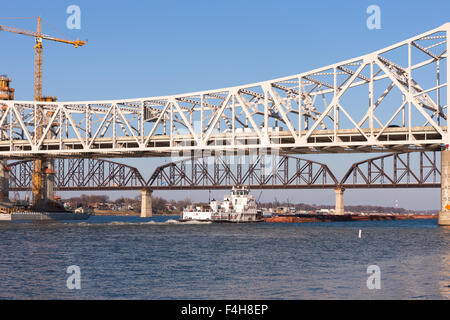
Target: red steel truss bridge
396, 170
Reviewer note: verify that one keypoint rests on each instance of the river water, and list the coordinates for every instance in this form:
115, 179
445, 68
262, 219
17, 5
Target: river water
160, 258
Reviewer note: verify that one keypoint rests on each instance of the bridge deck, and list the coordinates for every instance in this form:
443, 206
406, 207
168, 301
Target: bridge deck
321, 141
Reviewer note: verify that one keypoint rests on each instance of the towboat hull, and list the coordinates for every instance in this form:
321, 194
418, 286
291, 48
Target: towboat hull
221, 220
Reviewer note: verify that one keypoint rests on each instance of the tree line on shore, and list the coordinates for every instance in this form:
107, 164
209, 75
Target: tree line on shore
160, 204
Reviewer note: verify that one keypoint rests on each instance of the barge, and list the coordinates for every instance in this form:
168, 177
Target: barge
299, 218
17, 214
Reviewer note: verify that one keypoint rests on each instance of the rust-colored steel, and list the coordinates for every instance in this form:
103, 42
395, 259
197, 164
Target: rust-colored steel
80, 174
262, 172
396, 170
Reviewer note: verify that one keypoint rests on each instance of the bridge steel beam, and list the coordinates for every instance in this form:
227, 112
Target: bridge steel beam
259, 172
79, 175
395, 170
383, 101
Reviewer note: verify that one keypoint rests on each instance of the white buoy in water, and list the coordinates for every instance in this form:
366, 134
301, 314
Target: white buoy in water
359, 234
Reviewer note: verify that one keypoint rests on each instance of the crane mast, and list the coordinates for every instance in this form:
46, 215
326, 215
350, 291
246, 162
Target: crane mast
37, 177
38, 64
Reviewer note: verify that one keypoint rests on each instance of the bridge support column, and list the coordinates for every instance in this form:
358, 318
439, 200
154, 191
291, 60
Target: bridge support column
444, 214
146, 203
339, 209
48, 182
4, 181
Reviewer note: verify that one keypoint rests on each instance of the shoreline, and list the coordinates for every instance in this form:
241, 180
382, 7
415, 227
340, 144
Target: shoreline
128, 213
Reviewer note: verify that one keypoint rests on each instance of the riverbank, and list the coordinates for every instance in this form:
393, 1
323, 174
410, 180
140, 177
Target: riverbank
128, 213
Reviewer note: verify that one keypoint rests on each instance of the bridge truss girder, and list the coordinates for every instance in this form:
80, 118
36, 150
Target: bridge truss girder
397, 170
261, 172
80, 174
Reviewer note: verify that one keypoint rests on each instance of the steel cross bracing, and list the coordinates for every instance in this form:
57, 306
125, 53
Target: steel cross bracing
261, 172
80, 174
397, 170
194, 173
393, 99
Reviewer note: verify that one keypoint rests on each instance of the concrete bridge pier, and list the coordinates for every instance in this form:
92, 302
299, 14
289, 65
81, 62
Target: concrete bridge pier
48, 182
4, 181
339, 209
146, 203
444, 214
48, 176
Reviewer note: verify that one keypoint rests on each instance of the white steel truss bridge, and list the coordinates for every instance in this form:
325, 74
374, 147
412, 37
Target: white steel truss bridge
394, 99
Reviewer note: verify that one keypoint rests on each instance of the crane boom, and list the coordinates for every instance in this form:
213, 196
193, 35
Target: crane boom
76, 43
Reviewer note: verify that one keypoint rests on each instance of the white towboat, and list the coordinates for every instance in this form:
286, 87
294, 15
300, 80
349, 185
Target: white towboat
239, 207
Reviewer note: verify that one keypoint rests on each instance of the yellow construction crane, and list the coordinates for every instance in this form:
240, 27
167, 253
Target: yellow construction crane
38, 117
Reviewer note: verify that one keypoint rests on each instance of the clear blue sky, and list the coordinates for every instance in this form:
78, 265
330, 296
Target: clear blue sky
146, 48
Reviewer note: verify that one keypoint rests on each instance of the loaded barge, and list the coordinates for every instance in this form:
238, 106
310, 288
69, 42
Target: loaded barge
30, 214
298, 218
42, 216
